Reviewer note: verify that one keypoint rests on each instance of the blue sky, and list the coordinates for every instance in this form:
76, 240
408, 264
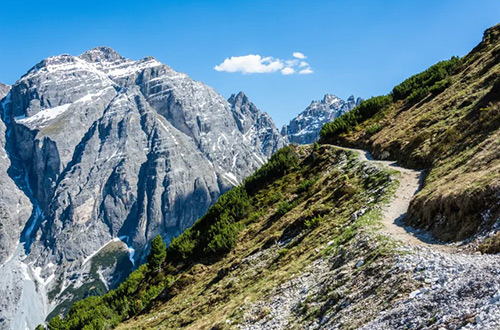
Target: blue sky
353, 47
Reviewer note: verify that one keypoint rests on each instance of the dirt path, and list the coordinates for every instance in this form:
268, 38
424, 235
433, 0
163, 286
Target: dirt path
410, 182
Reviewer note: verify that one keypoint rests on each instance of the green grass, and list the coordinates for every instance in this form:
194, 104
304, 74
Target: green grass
206, 287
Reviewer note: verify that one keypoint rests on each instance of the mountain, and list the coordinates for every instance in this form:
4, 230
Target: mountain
102, 153
256, 126
304, 128
335, 237
4, 89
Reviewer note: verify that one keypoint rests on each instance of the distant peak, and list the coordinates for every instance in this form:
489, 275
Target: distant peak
101, 54
240, 97
329, 98
149, 58
350, 98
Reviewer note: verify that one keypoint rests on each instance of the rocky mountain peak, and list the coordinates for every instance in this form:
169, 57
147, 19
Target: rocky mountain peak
255, 125
101, 54
240, 97
240, 101
330, 98
304, 128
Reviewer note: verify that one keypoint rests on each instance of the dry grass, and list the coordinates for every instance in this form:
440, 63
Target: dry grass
455, 136
205, 296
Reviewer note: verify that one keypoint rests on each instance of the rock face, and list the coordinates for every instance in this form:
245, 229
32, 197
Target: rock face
4, 89
99, 148
15, 207
257, 127
304, 128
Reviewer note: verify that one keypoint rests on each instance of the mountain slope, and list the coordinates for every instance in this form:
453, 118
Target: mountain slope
445, 120
313, 248
305, 128
301, 200
255, 124
105, 152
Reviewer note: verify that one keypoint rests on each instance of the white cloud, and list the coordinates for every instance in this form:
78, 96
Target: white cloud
254, 63
290, 63
299, 55
306, 71
250, 64
287, 71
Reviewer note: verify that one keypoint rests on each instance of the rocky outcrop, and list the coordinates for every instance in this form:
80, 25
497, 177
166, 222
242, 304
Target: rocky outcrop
15, 207
257, 127
99, 147
304, 128
4, 89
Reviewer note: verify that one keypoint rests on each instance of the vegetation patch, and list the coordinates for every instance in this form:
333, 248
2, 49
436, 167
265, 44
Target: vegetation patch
446, 121
253, 238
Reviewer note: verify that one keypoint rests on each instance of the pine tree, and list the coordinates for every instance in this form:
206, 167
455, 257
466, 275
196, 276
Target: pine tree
157, 254
57, 323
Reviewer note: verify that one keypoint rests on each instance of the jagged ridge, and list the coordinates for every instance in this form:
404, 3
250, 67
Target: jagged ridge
304, 128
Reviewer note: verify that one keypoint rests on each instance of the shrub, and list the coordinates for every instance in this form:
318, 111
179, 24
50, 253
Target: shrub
284, 207
254, 217
222, 236
314, 222
183, 245
440, 86
283, 160
274, 197
57, 324
372, 106
283, 252
435, 79
417, 94
372, 129
306, 184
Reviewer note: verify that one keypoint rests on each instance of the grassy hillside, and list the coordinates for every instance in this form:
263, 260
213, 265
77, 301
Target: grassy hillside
309, 203
296, 245
445, 120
